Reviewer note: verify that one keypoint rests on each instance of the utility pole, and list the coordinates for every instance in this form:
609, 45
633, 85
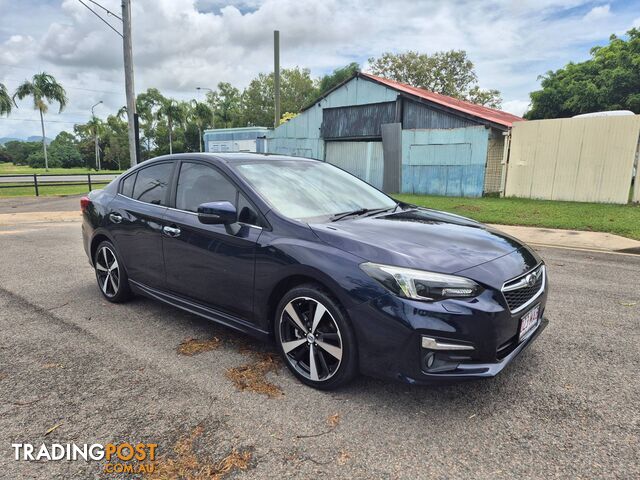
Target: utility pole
276, 77
128, 79
96, 146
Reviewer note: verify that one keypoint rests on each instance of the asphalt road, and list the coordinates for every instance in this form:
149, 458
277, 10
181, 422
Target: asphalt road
569, 407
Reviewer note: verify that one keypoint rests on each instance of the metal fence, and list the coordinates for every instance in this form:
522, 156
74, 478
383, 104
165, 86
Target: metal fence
573, 159
39, 180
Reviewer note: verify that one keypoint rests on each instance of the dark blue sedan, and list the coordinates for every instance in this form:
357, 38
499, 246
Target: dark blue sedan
344, 278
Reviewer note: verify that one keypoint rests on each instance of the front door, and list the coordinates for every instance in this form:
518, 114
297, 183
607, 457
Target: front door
211, 264
135, 217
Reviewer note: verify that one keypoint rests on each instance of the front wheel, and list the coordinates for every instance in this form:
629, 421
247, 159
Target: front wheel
110, 274
315, 339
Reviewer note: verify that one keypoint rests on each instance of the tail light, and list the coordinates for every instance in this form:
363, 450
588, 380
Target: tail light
84, 203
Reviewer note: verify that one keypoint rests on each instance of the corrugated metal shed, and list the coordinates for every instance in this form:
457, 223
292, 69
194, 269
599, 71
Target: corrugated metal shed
302, 133
419, 115
484, 113
356, 121
444, 162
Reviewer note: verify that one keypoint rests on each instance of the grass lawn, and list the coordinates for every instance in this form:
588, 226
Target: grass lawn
46, 191
10, 168
619, 219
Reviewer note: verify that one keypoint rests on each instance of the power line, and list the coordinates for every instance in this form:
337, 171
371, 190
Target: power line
109, 12
98, 15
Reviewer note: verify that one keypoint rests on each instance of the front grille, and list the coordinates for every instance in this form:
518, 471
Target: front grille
518, 292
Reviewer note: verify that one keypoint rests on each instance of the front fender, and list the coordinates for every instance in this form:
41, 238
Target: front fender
279, 259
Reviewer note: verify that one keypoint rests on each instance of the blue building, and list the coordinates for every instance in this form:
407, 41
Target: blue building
401, 138
245, 139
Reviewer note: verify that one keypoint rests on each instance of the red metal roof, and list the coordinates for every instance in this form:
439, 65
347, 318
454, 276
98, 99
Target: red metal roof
486, 113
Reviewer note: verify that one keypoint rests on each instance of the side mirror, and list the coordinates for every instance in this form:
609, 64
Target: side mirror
216, 213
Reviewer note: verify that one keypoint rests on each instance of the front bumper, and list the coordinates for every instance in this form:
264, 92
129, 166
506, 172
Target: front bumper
390, 332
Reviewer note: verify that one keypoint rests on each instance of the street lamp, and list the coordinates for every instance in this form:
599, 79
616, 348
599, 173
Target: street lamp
95, 135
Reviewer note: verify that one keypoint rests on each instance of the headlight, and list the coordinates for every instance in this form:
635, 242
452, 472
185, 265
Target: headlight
420, 284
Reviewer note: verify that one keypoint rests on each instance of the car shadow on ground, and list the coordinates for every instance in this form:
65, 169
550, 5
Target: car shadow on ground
467, 398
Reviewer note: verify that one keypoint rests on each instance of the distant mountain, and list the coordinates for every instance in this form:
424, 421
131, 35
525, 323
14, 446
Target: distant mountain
33, 138
38, 138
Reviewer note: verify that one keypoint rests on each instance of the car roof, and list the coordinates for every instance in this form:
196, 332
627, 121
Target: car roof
231, 158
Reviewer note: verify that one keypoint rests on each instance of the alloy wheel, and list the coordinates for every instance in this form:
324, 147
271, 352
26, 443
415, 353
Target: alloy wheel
311, 339
108, 271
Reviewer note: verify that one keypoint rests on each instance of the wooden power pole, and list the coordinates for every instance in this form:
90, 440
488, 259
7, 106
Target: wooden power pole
128, 79
276, 77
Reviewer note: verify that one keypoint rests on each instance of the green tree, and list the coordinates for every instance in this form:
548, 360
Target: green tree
20, 151
609, 80
226, 103
5, 101
115, 144
297, 90
174, 113
202, 115
338, 76
64, 150
448, 73
147, 105
44, 89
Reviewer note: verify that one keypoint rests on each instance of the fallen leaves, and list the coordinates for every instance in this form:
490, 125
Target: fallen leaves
194, 346
52, 429
252, 376
343, 457
187, 464
333, 420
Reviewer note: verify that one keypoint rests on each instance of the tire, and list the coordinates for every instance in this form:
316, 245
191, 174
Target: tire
321, 352
110, 273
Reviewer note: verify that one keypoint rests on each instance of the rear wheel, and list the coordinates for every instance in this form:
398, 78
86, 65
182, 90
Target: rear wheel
315, 339
110, 273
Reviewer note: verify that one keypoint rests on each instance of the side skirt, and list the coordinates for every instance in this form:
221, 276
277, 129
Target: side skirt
200, 310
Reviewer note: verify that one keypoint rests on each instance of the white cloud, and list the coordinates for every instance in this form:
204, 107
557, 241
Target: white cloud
517, 107
598, 13
181, 44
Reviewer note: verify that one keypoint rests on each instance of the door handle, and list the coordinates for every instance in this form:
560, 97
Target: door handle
171, 231
115, 217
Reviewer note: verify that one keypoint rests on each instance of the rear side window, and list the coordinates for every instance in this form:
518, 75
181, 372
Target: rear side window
198, 184
127, 185
152, 183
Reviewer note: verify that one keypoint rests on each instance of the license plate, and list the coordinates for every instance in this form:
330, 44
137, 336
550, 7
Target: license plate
528, 322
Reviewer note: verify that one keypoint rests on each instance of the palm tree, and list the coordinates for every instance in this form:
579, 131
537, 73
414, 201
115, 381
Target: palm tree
203, 116
44, 89
5, 101
174, 112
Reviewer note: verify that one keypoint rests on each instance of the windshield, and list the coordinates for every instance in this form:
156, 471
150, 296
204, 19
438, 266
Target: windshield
306, 190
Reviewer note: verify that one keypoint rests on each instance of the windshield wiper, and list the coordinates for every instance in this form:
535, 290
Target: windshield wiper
358, 212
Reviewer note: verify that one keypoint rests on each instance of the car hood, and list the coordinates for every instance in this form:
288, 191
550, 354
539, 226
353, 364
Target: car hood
419, 238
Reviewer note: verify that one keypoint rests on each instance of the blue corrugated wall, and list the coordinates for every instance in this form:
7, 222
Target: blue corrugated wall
444, 162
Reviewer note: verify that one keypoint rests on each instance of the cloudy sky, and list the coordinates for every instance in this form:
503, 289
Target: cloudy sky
182, 44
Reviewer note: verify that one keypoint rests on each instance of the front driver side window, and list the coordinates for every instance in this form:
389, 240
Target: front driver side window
198, 184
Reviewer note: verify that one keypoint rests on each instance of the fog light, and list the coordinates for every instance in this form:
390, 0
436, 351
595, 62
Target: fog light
429, 360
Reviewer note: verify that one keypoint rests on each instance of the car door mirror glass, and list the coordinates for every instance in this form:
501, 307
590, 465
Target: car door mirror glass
217, 213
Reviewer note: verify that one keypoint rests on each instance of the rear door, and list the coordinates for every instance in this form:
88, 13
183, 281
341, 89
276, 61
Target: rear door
136, 222
212, 264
